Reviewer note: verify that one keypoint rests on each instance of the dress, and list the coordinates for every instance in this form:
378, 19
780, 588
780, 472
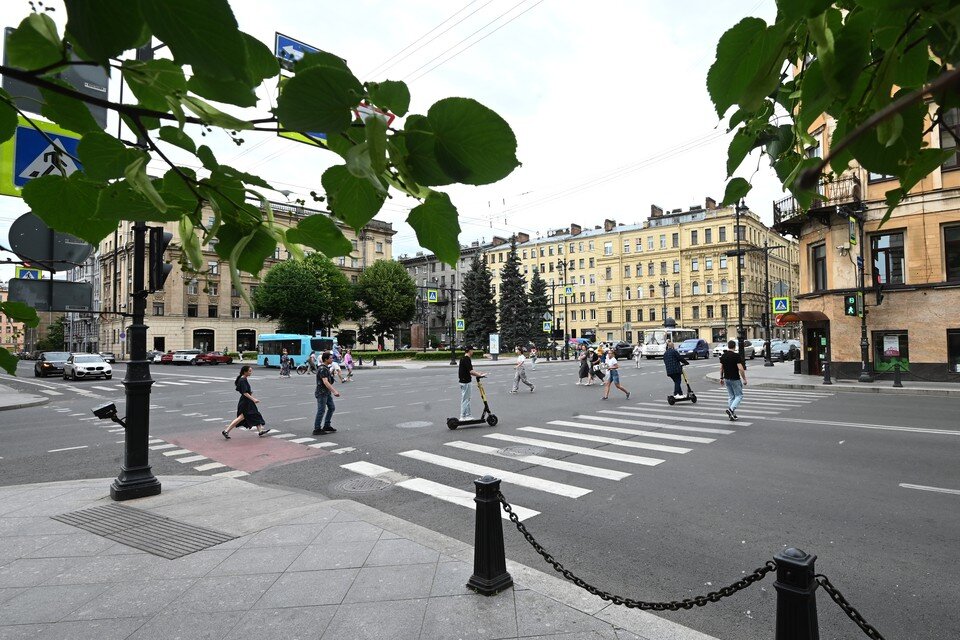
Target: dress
584, 365
247, 407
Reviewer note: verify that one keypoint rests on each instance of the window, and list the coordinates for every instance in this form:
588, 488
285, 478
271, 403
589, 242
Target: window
593, 278
591, 263
953, 350
158, 308
212, 311
709, 311
724, 287
580, 247
524, 254
708, 263
609, 294
650, 243
193, 288
550, 267
639, 245
675, 240
626, 315
542, 253
379, 247
593, 296
676, 266
676, 312
581, 263
949, 132
650, 269
550, 248
709, 286
213, 267
572, 248
695, 288
951, 247
626, 246
676, 289
543, 267
696, 313
653, 314
891, 348
583, 297
213, 289
590, 245
354, 263
235, 311
722, 234
583, 280
693, 237
342, 262
639, 315
593, 314
707, 236
191, 311
626, 271
499, 258
723, 262
353, 279
609, 315
663, 241
888, 263
639, 293
695, 265
608, 273
723, 311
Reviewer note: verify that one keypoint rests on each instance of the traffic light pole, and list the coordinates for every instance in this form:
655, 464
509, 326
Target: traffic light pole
865, 375
767, 361
742, 206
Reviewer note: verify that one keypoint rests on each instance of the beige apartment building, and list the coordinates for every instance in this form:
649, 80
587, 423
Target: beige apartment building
12, 334
204, 311
626, 279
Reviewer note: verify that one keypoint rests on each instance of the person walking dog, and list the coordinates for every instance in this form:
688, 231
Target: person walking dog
734, 377
324, 394
519, 373
248, 415
674, 363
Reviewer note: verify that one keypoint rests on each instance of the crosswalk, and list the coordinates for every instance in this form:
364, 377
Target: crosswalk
614, 444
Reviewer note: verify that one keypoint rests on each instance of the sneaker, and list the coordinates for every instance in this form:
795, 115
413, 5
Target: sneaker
329, 429
628, 395
512, 391
679, 395
264, 432
317, 432
735, 416
603, 397
730, 414
225, 434
532, 387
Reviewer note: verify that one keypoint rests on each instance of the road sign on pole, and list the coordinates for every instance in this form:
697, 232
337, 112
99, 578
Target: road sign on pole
44, 248
461, 325
432, 296
547, 326
28, 273
28, 155
52, 295
781, 305
568, 291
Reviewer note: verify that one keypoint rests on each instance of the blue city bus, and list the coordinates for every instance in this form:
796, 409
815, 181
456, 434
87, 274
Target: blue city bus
299, 347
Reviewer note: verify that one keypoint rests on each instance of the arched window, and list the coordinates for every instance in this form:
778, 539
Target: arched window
653, 292
626, 291
609, 294
724, 287
639, 293
676, 290
695, 288
709, 286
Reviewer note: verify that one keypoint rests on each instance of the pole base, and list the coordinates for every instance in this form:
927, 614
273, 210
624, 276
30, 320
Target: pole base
128, 487
768, 363
865, 377
490, 586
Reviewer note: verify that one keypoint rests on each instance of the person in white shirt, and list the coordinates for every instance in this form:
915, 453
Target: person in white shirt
637, 354
613, 375
519, 373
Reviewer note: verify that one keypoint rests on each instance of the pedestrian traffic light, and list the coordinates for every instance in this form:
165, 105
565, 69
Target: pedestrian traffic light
159, 270
850, 305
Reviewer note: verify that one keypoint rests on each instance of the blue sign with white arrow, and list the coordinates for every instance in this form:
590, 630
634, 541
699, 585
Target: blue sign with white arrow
290, 51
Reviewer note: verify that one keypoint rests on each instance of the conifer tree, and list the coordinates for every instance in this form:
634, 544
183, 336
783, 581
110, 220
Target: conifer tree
479, 307
538, 305
514, 314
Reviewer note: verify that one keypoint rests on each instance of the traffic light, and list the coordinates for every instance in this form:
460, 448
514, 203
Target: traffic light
850, 305
763, 319
159, 270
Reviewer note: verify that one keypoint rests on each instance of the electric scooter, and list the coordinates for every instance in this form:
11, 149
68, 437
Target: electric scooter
487, 415
691, 396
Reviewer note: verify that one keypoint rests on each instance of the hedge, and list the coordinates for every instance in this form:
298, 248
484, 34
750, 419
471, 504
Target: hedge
442, 355
379, 355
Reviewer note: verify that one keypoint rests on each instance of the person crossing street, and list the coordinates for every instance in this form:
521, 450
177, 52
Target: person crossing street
324, 394
465, 374
734, 377
520, 373
674, 363
613, 376
637, 354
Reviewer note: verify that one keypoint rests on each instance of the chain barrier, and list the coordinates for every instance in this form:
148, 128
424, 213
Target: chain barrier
674, 605
847, 608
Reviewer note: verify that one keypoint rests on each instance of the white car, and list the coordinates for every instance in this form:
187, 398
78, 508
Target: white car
86, 365
750, 351
186, 356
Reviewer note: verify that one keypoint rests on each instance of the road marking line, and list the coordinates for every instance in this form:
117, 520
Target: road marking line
302, 440
188, 381
178, 452
614, 412
87, 419
294, 419
103, 388
179, 384
212, 419
530, 482
664, 412
209, 466
633, 432
74, 415
563, 465
155, 441
615, 441
51, 392
798, 393
285, 435
673, 427
745, 406
413, 403
159, 447
586, 451
66, 449
321, 445
921, 487
881, 427
196, 458
343, 450
120, 430
428, 487
389, 406
231, 474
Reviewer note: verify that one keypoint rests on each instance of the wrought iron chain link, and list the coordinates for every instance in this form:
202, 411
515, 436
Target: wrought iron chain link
674, 605
847, 608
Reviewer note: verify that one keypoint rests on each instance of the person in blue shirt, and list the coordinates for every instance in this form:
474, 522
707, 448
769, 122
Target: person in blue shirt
674, 364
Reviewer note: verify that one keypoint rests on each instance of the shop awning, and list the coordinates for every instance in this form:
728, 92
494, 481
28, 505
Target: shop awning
801, 316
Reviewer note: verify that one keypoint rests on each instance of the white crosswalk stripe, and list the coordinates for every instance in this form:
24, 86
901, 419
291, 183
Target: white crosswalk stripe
629, 444
637, 432
661, 425
676, 416
586, 451
563, 465
667, 413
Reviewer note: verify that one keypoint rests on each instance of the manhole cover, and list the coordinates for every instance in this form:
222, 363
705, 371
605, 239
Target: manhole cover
516, 452
416, 424
362, 485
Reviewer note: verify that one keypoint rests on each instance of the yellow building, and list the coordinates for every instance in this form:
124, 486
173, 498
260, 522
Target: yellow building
915, 256
11, 333
626, 279
205, 311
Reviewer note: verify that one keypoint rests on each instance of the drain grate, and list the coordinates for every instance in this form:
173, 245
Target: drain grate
362, 485
157, 535
519, 451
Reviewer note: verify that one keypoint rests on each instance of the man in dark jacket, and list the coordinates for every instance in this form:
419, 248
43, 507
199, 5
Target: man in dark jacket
674, 364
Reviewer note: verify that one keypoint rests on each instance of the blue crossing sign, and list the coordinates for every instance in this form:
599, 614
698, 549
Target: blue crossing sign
28, 155
461, 325
432, 295
781, 305
28, 273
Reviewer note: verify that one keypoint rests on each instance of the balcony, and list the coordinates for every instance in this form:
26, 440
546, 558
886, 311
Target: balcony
788, 216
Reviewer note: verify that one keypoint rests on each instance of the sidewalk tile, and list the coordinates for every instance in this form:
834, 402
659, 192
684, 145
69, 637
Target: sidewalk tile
103, 569
74, 546
306, 588
400, 620
187, 626
257, 560
9, 592
299, 534
194, 565
354, 530
402, 582
81, 630
23, 631
47, 604
295, 623
133, 599
319, 515
35, 526
222, 593
400, 551
15, 547
470, 617
451, 579
540, 615
29, 572
333, 554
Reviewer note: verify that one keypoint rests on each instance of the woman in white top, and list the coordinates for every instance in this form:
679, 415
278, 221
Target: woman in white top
613, 375
519, 373
637, 354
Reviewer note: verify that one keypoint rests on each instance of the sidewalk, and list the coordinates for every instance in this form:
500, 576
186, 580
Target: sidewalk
293, 565
781, 376
507, 359
10, 398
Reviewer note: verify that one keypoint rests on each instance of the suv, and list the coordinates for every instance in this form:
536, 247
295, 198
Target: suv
50, 363
108, 357
86, 365
749, 350
186, 356
214, 357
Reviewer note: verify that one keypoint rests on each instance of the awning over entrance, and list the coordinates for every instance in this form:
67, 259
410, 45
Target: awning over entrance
801, 316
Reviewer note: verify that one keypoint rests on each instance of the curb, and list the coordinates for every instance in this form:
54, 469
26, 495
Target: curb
843, 386
36, 401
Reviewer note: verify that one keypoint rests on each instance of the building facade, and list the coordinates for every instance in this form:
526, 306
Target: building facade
912, 261
12, 334
204, 311
82, 330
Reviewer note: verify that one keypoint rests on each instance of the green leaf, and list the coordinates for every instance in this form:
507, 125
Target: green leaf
474, 145
20, 312
104, 29
736, 189
880, 158
136, 175
747, 68
34, 44
913, 68
119, 202
201, 34
354, 200
248, 178
781, 141
889, 130
256, 250
261, 63
321, 59
8, 361
178, 138
321, 233
175, 191
69, 113
852, 52
190, 243
153, 81
435, 223
8, 117
420, 143
104, 157
319, 99
207, 158
69, 205
213, 116
743, 142
225, 90
791, 10
377, 144
392, 95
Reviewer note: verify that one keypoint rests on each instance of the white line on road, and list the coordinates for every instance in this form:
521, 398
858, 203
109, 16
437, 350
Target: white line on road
302, 440
74, 415
294, 419
661, 425
88, 419
674, 417
179, 384
754, 407
212, 419
192, 415
921, 487
209, 466
160, 447
343, 450
563, 465
188, 459
231, 474
530, 482
882, 427
51, 392
389, 406
178, 452
66, 449
103, 388
666, 412
633, 432
321, 445
630, 444
284, 435
586, 451
120, 430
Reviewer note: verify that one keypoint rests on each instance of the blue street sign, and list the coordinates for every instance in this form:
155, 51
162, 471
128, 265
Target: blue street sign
290, 51
28, 273
432, 295
28, 155
781, 305
860, 261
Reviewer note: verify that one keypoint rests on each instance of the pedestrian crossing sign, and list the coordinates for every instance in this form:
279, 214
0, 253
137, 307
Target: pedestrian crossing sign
30, 154
432, 296
28, 273
547, 326
781, 305
461, 325
568, 291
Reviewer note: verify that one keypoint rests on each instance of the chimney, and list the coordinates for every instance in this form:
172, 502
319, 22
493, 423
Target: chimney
655, 211
522, 237
710, 203
608, 225
475, 243
575, 229
497, 241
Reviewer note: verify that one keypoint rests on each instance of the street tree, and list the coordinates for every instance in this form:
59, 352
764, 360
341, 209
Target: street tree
886, 72
514, 315
479, 305
389, 295
208, 59
56, 336
304, 296
538, 304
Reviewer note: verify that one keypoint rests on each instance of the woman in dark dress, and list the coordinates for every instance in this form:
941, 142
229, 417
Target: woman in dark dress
584, 366
248, 415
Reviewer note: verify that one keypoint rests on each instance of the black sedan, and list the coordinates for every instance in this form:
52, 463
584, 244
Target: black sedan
108, 357
50, 363
623, 350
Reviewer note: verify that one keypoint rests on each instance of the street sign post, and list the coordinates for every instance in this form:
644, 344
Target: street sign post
781, 305
461, 325
44, 248
547, 326
568, 291
432, 296
289, 50
52, 295
28, 273
28, 155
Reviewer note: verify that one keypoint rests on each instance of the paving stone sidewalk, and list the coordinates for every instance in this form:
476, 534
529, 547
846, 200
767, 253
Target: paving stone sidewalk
10, 398
298, 567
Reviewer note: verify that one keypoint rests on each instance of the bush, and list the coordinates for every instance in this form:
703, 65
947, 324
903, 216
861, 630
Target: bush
442, 355
379, 355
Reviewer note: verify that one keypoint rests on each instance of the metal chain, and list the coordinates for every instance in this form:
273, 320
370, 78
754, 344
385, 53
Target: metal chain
674, 605
847, 608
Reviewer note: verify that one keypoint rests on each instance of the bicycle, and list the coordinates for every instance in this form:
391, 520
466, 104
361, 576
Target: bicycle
304, 368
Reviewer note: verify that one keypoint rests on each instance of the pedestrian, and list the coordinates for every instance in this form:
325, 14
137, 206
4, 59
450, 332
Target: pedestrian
286, 362
674, 364
613, 375
520, 373
584, 371
240, 356
734, 376
312, 362
348, 363
335, 364
637, 354
533, 358
248, 416
464, 375
595, 371
324, 394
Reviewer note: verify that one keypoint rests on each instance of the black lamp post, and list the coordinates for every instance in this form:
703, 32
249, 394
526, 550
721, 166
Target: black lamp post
562, 266
865, 375
739, 209
664, 285
766, 249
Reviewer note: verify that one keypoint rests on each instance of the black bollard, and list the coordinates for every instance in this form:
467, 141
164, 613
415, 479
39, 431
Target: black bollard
826, 372
489, 559
374, 360
896, 375
796, 596
797, 366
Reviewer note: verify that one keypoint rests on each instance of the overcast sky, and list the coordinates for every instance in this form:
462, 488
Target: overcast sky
608, 101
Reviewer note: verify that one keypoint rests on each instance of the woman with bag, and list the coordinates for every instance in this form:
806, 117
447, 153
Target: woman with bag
248, 416
596, 371
584, 372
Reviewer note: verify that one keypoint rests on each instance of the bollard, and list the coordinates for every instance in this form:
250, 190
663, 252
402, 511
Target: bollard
797, 364
374, 360
489, 559
826, 372
896, 375
359, 361
796, 596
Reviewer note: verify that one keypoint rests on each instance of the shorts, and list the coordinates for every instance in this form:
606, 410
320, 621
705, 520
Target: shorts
335, 367
614, 376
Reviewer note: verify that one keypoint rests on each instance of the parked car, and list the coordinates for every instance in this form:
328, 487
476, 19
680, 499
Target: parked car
214, 357
186, 356
50, 363
787, 347
694, 348
717, 349
720, 347
622, 350
86, 365
108, 357
166, 358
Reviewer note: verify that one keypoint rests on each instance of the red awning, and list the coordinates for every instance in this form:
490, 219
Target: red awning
801, 316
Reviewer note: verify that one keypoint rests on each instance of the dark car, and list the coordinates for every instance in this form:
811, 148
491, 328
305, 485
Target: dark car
214, 357
109, 357
623, 350
50, 363
694, 348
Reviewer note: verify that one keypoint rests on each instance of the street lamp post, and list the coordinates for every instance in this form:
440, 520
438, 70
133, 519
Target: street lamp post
865, 375
562, 266
740, 208
664, 285
766, 249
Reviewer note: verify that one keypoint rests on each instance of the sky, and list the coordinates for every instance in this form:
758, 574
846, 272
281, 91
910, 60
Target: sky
608, 102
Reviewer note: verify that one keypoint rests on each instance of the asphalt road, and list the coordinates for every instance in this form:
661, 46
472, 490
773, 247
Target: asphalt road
690, 505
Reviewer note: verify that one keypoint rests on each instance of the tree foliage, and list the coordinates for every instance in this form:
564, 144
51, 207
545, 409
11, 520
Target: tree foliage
514, 315
885, 71
388, 293
56, 336
538, 304
479, 305
304, 295
209, 59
